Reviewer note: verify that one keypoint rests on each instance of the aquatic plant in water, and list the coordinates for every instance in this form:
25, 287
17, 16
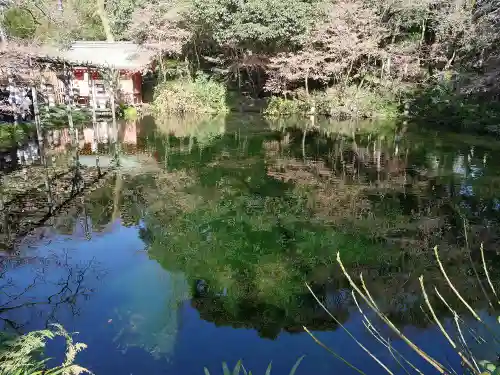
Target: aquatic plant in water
458, 342
240, 369
23, 355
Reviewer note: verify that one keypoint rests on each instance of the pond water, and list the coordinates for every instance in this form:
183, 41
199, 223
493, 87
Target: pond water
197, 251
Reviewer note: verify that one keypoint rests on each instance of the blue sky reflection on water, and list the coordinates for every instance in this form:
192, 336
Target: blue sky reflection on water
250, 215
138, 319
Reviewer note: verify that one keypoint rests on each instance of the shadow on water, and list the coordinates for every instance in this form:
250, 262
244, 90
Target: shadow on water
203, 239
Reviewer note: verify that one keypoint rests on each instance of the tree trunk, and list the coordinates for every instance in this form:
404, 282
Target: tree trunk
101, 10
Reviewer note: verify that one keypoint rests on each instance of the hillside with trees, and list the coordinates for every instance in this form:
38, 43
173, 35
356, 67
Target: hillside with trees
346, 58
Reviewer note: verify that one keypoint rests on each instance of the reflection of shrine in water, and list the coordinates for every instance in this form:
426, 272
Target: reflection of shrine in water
40, 177
20, 155
96, 140
58, 142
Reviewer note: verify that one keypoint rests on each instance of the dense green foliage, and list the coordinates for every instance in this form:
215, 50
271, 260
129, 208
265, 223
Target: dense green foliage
19, 23
351, 102
198, 95
366, 56
57, 117
10, 134
121, 13
357, 57
260, 26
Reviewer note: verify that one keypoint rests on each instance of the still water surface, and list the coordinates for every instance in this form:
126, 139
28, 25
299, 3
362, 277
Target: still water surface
197, 251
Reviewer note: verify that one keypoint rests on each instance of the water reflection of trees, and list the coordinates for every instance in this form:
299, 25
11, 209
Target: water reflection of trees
260, 214
268, 319
42, 179
47, 287
256, 215
30, 194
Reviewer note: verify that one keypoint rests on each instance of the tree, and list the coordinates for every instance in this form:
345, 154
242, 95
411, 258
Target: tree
333, 50
120, 13
101, 11
19, 23
77, 20
161, 22
257, 25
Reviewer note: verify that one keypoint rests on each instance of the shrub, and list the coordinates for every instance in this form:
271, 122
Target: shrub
23, 355
201, 95
442, 105
11, 134
340, 102
127, 112
278, 106
57, 117
354, 102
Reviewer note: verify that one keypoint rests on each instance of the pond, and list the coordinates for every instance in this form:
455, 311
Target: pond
198, 249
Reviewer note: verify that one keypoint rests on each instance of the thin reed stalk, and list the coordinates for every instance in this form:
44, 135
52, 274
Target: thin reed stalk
333, 353
457, 293
440, 325
457, 319
349, 333
371, 328
473, 266
488, 274
464, 343
438, 366
455, 314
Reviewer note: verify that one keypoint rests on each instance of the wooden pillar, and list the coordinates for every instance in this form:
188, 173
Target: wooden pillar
40, 136
41, 146
13, 96
50, 135
114, 77
115, 74
67, 74
137, 85
108, 134
68, 97
94, 121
